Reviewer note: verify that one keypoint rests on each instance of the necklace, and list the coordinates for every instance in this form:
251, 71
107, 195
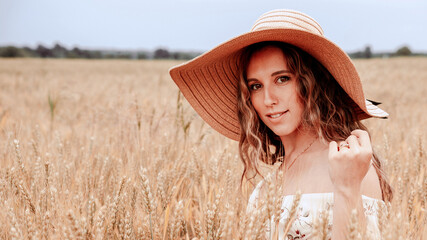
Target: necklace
292, 163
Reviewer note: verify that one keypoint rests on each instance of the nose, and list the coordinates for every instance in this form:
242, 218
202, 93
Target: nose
270, 97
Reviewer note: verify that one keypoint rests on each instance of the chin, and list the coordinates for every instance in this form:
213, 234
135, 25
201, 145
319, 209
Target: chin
281, 132
285, 130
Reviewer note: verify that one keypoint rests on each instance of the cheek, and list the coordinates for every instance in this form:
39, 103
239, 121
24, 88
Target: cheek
255, 103
296, 101
299, 110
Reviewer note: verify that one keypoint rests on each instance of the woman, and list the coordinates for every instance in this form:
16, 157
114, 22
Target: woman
290, 95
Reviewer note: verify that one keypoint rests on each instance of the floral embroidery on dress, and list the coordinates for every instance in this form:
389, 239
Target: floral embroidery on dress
310, 210
303, 225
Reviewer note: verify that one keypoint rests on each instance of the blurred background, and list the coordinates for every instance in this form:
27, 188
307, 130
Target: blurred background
182, 29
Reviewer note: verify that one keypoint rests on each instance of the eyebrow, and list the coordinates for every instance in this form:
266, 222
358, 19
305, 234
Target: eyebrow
280, 72
273, 74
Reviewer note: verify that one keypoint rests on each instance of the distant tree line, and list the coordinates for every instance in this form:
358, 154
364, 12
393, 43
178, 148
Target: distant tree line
59, 51
402, 51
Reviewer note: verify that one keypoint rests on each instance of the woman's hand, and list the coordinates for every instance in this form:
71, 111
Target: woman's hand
349, 161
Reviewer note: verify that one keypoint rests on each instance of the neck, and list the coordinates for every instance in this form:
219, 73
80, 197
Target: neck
296, 142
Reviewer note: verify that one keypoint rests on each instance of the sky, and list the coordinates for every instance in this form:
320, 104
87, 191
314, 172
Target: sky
199, 25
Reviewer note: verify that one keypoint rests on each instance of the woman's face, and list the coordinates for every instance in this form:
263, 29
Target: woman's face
273, 92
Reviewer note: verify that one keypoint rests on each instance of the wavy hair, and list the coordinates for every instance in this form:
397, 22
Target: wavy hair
326, 111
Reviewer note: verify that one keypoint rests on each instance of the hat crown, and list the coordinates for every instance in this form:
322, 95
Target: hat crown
287, 19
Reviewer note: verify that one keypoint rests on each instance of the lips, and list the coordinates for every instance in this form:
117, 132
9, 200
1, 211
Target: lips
276, 114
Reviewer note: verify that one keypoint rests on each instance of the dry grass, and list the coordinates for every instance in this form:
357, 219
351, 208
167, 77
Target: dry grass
107, 150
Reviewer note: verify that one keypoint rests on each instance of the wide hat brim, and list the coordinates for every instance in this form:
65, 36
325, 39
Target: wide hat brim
209, 82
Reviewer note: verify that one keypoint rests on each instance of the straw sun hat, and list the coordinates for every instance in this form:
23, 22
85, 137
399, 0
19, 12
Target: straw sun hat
209, 82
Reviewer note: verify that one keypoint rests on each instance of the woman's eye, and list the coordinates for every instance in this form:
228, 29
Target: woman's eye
255, 86
283, 79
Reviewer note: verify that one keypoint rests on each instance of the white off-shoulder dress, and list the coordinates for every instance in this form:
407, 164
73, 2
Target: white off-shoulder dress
310, 207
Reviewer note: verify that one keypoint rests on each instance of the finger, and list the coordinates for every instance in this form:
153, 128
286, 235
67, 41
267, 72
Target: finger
353, 142
363, 137
333, 149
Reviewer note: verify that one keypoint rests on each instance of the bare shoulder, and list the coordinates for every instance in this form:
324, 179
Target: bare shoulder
371, 184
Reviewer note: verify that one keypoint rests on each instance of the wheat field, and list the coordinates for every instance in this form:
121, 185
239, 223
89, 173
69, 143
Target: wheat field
108, 149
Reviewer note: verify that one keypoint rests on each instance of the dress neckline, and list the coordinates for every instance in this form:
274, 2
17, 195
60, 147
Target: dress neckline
328, 194
314, 195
